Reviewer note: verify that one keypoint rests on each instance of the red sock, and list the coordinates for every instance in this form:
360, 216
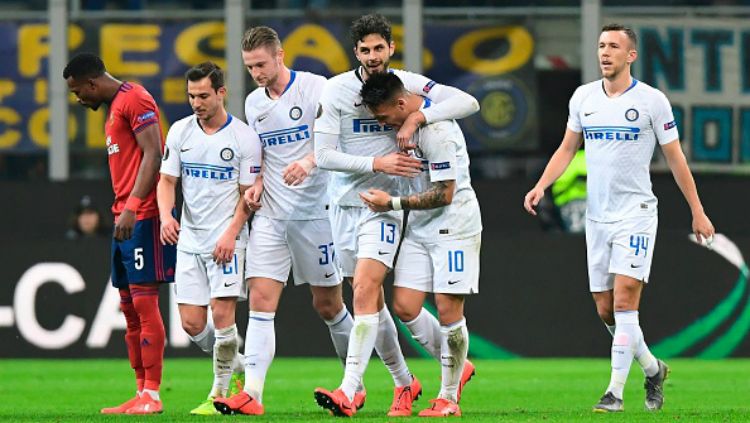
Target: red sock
146, 303
133, 337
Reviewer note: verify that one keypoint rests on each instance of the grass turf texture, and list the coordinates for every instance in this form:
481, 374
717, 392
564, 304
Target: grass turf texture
508, 390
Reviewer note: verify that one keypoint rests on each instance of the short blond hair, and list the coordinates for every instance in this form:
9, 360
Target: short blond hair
261, 36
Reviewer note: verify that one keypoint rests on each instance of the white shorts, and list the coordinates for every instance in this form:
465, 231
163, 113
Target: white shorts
625, 248
198, 279
359, 233
303, 246
450, 267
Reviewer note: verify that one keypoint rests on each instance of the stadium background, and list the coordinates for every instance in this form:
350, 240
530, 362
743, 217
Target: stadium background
522, 60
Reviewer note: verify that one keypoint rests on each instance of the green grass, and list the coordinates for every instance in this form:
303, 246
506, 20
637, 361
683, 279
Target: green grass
510, 390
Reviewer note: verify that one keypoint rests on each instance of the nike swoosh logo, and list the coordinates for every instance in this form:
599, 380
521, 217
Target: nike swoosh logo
328, 275
634, 266
382, 253
357, 104
262, 118
182, 150
227, 285
588, 113
453, 282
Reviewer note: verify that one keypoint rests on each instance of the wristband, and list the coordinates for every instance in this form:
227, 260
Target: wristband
133, 203
396, 203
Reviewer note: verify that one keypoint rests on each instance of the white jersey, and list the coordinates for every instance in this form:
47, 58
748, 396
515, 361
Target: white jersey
343, 114
442, 148
620, 135
212, 168
285, 127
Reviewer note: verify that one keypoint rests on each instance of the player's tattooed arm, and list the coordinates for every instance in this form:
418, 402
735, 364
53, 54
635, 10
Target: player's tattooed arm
440, 194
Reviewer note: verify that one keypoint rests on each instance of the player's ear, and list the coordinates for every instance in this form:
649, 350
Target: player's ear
392, 48
280, 55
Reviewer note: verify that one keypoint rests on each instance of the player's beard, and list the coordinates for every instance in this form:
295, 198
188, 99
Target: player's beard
382, 68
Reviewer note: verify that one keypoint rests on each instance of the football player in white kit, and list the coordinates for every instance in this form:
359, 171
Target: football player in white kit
290, 228
350, 141
440, 249
217, 156
621, 120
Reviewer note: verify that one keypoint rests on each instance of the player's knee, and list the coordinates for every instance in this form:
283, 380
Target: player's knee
193, 326
405, 310
449, 311
327, 307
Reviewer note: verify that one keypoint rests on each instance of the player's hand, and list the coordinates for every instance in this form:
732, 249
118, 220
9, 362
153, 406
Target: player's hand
296, 172
376, 200
252, 195
398, 164
405, 133
125, 224
170, 231
224, 250
532, 200
703, 228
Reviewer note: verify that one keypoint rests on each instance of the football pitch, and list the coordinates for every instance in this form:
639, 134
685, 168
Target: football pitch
550, 390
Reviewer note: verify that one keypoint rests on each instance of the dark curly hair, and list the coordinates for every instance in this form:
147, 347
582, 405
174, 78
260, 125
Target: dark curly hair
370, 24
84, 65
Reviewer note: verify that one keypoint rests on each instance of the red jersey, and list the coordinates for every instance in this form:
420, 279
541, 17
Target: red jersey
131, 111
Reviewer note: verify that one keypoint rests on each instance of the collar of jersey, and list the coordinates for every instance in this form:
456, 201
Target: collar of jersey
229, 120
293, 75
632, 84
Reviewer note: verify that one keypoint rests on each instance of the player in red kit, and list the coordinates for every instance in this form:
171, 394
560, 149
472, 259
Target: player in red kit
139, 261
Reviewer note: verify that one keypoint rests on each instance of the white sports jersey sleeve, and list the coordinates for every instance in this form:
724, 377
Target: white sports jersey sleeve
251, 154
664, 124
170, 161
449, 102
574, 109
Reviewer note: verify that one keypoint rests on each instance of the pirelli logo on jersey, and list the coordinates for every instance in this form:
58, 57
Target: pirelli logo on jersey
611, 133
285, 136
207, 171
368, 126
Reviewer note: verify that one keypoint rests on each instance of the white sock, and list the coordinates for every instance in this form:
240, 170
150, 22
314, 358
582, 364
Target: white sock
389, 350
260, 347
454, 345
206, 339
225, 351
648, 362
153, 394
627, 336
361, 343
425, 329
340, 327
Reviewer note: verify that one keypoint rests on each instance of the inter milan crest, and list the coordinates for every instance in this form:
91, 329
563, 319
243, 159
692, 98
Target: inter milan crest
295, 113
227, 154
631, 115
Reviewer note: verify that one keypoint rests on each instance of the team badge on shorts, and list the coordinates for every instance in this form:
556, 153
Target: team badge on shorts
227, 154
295, 113
631, 115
